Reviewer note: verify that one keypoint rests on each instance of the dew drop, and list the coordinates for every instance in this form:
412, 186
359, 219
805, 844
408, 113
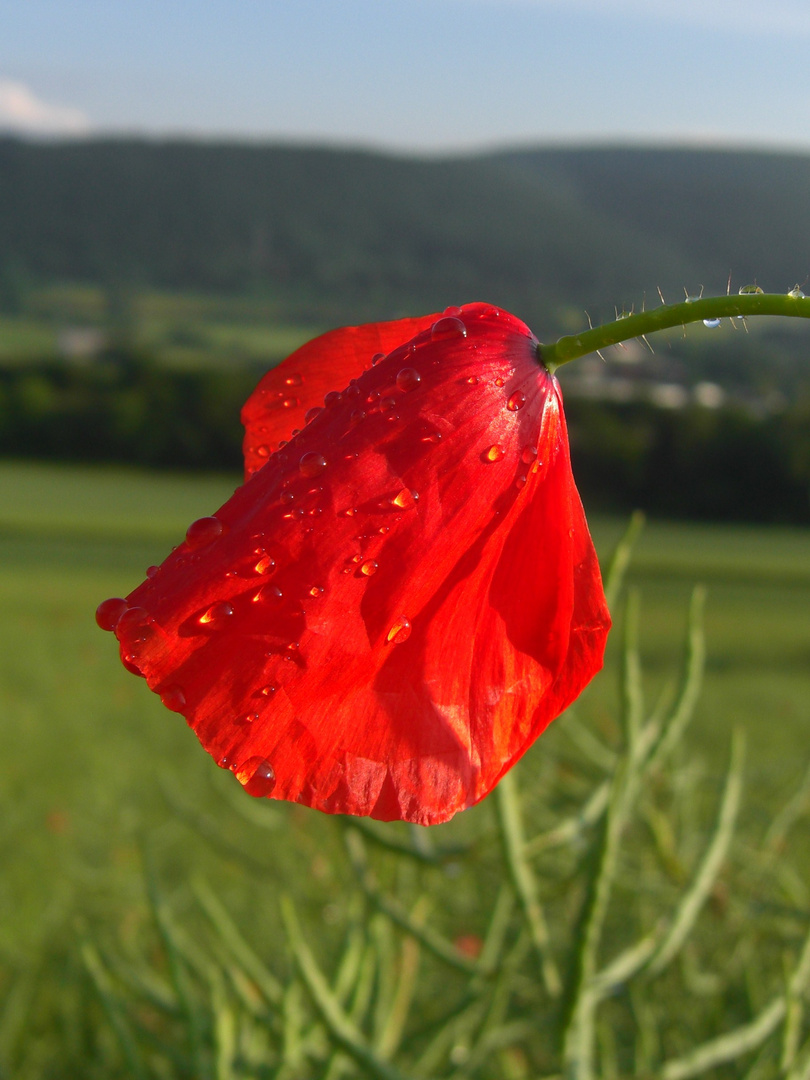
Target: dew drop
352, 390
528, 454
516, 401
369, 567
263, 451
294, 380
290, 402
450, 326
257, 777
455, 311
408, 379
267, 691
217, 613
432, 437
749, 290
173, 698
376, 358
400, 631
521, 481
203, 531
357, 417
387, 404
133, 626
494, 453
405, 499
249, 718
350, 511
310, 414
711, 323
499, 382
268, 592
473, 380
316, 591
796, 293
265, 565
312, 464
110, 611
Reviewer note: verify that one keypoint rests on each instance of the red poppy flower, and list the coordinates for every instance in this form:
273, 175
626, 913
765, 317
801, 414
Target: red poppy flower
401, 597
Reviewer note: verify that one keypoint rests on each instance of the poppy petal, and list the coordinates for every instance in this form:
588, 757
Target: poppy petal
384, 617
327, 364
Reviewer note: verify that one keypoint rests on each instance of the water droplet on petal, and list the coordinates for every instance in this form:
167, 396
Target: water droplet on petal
256, 776
151, 571
203, 531
521, 481
516, 401
377, 357
310, 414
400, 631
262, 451
499, 381
494, 453
267, 691
473, 380
452, 311
294, 380
110, 611
133, 627
528, 454
290, 402
369, 567
173, 698
316, 591
268, 592
450, 326
432, 437
711, 323
357, 417
312, 464
387, 404
405, 499
217, 613
408, 379
265, 565
249, 718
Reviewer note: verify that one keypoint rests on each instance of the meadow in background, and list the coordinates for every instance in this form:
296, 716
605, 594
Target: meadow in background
139, 900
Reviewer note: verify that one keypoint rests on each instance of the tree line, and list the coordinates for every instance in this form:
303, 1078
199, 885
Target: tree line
713, 464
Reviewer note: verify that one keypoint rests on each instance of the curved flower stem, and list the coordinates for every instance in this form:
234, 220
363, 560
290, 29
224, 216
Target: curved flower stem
648, 322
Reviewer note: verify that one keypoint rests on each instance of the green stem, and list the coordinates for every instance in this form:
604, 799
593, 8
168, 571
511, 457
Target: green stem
648, 322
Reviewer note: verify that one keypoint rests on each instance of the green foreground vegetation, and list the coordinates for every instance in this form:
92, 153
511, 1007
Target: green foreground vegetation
95, 771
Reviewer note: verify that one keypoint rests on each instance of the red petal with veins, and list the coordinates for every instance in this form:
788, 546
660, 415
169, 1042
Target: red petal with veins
404, 596
281, 401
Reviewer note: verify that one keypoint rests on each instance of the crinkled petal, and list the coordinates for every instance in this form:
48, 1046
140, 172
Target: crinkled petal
327, 364
390, 611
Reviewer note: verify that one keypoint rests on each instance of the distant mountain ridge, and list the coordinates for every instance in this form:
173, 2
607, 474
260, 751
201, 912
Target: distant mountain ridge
341, 235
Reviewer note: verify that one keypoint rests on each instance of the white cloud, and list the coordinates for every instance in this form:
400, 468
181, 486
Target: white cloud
21, 111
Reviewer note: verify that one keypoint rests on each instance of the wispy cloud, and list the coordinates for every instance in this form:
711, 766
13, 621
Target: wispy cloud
22, 111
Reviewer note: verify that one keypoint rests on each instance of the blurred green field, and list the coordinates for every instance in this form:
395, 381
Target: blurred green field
88, 751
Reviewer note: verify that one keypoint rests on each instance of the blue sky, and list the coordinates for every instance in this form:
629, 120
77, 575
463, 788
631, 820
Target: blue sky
424, 75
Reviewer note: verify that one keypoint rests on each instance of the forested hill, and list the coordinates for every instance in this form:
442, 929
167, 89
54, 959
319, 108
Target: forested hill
337, 235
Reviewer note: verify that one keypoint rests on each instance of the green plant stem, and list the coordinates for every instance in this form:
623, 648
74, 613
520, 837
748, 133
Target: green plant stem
668, 315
